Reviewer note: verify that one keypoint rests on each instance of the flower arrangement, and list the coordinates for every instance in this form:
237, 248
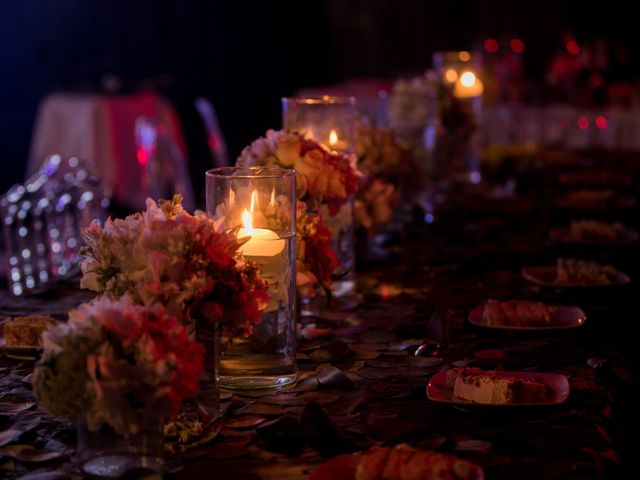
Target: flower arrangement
166, 255
390, 172
324, 177
316, 258
375, 203
114, 360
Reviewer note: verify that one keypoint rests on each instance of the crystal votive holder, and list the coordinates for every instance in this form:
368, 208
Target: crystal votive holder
260, 203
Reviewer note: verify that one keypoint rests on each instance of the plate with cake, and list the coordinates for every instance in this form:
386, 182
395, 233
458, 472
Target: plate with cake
571, 272
594, 232
526, 315
491, 388
22, 336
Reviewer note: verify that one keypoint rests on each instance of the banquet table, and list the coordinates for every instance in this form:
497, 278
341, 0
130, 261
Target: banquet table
361, 383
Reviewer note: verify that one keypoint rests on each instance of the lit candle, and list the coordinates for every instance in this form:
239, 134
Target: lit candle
263, 242
450, 76
468, 85
336, 143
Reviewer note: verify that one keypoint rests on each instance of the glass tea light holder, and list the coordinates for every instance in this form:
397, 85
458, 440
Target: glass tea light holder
460, 111
259, 203
327, 120
331, 121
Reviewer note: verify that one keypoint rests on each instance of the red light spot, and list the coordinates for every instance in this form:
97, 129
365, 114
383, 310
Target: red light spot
597, 80
573, 48
601, 122
517, 45
491, 45
583, 122
143, 156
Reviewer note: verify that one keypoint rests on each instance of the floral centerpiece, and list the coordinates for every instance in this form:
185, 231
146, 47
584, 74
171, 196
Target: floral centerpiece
390, 172
114, 363
325, 179
166, 255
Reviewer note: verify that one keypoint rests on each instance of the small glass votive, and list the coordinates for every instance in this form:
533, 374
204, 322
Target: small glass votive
327, 120
260, 203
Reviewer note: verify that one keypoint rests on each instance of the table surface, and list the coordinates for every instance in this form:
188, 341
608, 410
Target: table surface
361, 385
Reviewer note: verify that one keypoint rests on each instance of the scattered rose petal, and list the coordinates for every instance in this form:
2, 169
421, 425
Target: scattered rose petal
379, 336
492, 354
9, 408
474, 446
24, 453
364, 354
244, 421
330, 376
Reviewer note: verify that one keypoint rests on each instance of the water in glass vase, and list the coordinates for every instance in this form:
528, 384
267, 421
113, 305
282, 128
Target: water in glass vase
342, 228
267, 358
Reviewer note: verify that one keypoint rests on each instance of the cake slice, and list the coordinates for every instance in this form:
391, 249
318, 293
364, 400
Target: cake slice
26, 331
488, 387
580, 272
403, 462
518, 313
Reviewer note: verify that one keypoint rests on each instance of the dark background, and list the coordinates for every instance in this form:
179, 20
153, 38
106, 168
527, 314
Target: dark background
244, 56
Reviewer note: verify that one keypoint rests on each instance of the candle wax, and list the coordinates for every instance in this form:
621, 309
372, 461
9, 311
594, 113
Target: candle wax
263, 242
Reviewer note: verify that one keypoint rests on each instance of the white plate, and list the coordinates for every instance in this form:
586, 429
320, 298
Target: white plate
563, 235
564, 318
546, 277
19, 352
438, 391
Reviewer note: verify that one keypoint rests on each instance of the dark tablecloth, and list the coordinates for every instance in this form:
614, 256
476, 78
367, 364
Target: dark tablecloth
361, 384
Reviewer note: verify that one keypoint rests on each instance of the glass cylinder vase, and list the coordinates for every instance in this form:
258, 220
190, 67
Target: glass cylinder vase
208, 399
259, 203
331, 121
460, 115
105, 453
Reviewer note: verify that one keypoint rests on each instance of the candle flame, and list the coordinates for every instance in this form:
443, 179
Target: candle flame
272, 202
467, 79
247, 216
333, 137
451, 75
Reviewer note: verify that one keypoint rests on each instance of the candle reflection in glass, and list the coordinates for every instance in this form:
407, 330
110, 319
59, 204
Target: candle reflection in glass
259, 204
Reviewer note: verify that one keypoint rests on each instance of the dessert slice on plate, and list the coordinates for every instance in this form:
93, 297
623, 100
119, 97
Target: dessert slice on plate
526, 315
22, 336
26, 331
571, 272
474, 386
482, 386
518, 313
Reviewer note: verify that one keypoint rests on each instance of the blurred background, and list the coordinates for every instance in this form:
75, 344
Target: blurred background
244, 56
